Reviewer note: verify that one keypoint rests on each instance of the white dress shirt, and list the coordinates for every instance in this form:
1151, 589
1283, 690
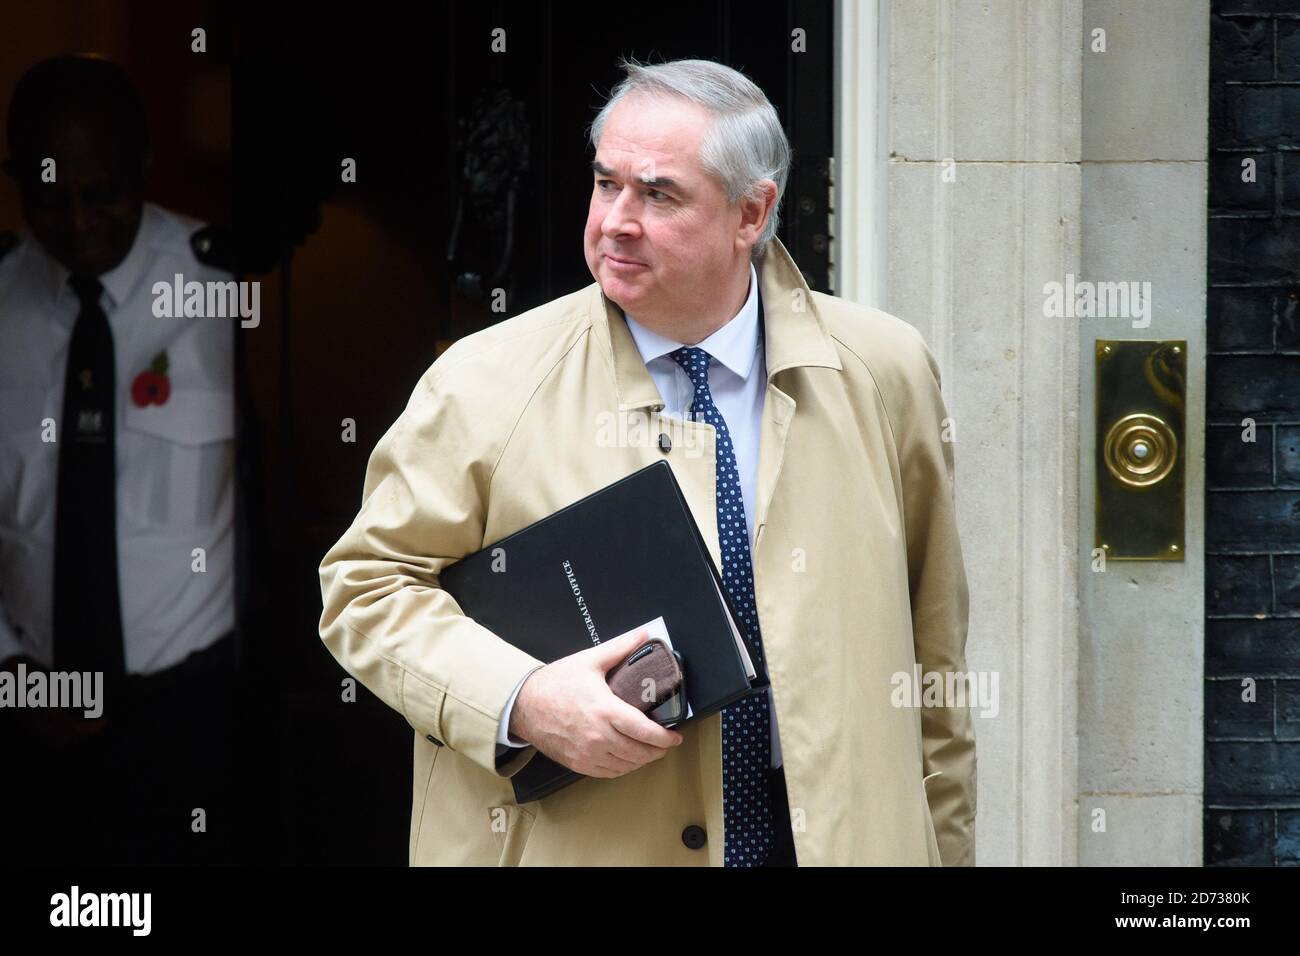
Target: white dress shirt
175, 461
738, 384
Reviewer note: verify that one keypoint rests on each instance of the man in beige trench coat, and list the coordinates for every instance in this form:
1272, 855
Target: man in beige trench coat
857, 567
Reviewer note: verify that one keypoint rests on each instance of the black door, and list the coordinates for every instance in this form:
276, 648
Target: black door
472, 173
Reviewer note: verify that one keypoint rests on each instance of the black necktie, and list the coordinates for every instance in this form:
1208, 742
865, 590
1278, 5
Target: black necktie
87, 614
748, 829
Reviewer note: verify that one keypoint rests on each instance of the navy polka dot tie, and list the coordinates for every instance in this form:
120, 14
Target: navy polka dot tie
746, 726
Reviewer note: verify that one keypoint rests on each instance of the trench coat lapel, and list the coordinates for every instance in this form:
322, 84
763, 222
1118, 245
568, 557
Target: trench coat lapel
794, 336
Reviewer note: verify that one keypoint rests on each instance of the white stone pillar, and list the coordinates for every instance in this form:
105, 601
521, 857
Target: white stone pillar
983, 210
1012, 157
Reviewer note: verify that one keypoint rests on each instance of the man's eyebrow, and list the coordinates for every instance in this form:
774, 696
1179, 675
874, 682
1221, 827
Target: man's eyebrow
659, 182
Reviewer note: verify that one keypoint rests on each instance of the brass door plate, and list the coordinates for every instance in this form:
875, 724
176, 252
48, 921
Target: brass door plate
1141, 452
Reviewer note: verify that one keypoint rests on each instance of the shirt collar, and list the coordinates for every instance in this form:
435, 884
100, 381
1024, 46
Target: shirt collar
735, 345
794, 335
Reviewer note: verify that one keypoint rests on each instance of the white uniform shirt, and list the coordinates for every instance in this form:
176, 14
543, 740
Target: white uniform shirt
175, 462
738, 384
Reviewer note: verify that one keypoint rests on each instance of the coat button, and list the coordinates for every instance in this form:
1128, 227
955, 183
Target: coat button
694, 837
665, 443
433, 740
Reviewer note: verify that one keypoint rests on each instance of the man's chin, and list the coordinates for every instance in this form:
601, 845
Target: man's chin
90, 262
627, 291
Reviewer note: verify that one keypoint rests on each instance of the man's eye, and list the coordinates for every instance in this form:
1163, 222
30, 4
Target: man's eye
656, 195
602, 183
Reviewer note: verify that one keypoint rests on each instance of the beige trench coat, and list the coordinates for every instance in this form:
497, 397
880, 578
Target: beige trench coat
857, 564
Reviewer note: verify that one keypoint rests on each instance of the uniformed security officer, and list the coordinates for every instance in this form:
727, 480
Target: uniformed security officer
117, 447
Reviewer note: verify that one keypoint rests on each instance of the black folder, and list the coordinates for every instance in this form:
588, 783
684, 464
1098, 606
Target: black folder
610, 562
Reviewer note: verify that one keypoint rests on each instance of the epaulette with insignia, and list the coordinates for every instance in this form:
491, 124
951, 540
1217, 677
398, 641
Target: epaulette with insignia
212, 246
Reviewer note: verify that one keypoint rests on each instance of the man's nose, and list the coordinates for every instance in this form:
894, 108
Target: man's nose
76, 216
620, 219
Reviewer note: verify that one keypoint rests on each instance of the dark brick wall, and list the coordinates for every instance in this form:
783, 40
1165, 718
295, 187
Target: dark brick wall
1252, 549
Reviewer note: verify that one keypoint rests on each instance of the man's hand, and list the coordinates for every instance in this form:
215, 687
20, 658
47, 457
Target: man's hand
567, 711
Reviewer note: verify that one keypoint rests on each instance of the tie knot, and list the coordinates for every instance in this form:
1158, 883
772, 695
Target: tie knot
695, 363
87, 288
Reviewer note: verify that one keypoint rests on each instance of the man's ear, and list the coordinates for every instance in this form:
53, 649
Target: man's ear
754, 213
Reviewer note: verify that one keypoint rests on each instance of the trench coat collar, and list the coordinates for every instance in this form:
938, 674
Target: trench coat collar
793, 331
